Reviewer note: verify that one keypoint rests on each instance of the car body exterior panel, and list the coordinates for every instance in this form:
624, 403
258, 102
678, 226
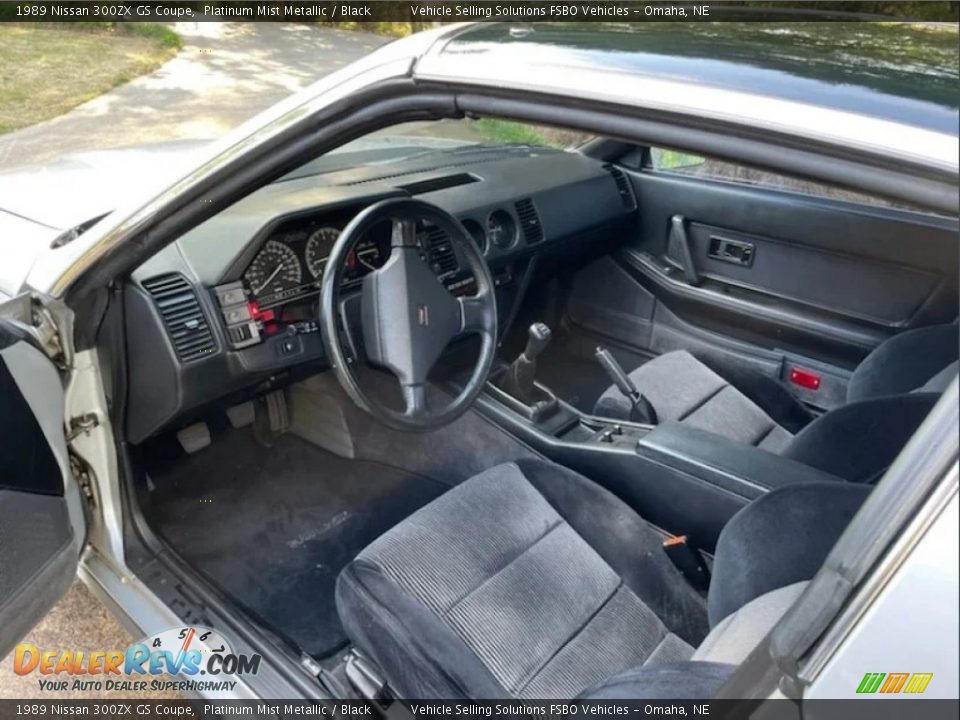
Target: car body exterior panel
550, 69
902, 74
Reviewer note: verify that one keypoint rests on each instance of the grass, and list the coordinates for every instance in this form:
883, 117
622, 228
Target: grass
50, 69
509, 131
387, 29
161, 33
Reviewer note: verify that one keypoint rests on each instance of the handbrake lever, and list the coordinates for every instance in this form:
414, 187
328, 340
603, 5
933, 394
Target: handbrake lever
642, 411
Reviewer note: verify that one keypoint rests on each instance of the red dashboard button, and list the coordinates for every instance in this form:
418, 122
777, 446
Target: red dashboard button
264, 316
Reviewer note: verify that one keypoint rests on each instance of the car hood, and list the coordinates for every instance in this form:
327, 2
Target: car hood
39, 203
81, 186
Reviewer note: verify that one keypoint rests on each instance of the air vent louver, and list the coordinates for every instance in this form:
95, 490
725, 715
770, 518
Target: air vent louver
623, 187
442, 257
182, 316
529, 221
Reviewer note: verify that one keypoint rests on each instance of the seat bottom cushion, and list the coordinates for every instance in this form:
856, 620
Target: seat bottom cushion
489, 592
683, 389
677, 681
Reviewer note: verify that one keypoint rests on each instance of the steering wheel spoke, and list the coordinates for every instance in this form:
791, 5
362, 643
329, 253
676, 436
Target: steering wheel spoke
414, 399
475, 313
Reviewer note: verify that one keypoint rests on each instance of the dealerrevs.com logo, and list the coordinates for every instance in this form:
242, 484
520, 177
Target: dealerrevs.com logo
192, 659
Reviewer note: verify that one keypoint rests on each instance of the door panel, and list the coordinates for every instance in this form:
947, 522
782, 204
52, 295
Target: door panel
775, 279
41, 516
858, 287
882, 269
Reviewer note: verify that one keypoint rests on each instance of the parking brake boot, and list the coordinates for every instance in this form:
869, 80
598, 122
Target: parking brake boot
642, 410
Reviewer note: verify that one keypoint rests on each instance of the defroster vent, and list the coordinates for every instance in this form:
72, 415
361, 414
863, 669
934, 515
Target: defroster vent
182, 315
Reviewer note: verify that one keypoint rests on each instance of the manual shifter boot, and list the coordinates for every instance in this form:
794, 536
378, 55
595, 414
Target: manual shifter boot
517, 379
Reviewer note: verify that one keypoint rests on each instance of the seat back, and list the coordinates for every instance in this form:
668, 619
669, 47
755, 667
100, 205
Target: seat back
905, 363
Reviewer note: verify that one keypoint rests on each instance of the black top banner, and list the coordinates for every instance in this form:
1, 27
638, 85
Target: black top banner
426, 12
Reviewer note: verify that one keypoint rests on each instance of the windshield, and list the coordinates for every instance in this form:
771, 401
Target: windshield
408, 140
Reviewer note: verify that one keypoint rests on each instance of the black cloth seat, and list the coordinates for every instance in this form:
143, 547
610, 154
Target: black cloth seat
530, 581
888, 396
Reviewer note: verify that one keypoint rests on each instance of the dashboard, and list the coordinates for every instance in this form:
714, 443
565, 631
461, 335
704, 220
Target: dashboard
231, 307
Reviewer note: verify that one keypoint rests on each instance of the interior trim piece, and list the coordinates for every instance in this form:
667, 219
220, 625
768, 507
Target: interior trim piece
678, 247
644, 264
139, 610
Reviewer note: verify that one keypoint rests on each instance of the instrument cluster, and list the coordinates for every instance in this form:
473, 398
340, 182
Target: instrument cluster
291, 263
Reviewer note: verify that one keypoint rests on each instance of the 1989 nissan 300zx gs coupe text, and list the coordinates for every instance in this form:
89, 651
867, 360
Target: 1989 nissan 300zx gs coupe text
669, 410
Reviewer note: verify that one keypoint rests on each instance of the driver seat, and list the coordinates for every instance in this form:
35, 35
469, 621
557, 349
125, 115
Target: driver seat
530, 581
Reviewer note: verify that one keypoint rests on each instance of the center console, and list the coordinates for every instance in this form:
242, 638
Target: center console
685, 480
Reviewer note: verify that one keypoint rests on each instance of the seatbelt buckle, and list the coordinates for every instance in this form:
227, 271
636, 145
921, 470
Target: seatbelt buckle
688, 560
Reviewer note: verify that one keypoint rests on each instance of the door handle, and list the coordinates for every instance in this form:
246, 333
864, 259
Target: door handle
737, 252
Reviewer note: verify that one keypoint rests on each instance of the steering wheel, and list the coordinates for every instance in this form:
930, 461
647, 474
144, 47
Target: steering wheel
407, 315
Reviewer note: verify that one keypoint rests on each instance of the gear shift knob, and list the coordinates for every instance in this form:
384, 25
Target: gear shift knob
538, 337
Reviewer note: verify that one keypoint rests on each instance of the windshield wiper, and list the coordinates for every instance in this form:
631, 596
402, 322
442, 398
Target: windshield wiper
68, 236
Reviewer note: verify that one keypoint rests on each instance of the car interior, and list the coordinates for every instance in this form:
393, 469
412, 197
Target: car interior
641, 393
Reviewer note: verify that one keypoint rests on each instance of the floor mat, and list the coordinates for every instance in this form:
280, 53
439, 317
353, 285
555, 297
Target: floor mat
273, 527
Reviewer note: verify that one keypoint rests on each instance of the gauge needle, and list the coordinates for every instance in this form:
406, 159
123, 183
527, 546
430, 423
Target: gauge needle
269, 279
364, 262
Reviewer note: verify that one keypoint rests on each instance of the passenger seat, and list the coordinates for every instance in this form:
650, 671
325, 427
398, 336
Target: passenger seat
889, 395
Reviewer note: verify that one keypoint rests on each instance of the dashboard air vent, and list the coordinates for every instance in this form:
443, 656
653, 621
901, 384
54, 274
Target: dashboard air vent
623, 187
182, 316
529, 221
440, 251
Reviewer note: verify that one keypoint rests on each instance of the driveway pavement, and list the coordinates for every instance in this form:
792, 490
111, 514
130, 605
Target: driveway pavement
78, 622
225, 74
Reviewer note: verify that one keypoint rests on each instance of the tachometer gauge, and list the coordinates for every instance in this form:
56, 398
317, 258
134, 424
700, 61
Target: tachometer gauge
274, 269
318, 250
367, 256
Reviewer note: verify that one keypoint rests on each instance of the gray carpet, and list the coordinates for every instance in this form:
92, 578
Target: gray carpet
272, 528
453, 453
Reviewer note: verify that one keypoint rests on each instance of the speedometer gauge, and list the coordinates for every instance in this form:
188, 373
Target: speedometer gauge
274, 270
318, 249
